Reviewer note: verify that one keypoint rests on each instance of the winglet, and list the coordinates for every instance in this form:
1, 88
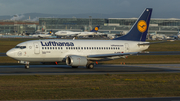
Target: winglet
139, 30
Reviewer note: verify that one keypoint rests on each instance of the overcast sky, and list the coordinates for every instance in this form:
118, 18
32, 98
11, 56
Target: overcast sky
11, 7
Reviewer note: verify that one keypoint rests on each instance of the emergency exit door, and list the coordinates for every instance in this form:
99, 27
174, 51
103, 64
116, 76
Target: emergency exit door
126, 47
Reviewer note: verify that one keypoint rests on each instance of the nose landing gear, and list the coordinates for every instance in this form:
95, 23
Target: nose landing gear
26, 64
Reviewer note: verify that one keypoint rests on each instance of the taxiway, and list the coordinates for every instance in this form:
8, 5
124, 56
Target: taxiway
98, 69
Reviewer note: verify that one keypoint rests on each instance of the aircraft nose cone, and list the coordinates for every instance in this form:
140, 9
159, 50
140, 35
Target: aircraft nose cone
10, 53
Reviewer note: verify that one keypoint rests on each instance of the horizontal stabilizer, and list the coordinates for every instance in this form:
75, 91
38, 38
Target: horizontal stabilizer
149, 43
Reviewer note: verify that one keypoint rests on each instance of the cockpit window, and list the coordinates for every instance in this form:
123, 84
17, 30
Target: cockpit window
21, 47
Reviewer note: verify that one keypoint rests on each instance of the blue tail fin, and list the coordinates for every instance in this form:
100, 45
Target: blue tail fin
50, 32
95, 29
139, 30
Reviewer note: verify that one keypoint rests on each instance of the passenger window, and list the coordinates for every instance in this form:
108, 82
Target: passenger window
45, 47
67, 48
55, 47
61, 47
81, 47
84, 47
78, 47
50, 47
42, 47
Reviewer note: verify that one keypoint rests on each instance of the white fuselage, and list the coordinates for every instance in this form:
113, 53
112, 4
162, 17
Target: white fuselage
55, 50
41, 35
70, 33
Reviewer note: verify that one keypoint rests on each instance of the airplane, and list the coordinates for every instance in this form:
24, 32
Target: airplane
71, 33
42, 35
177, 36
84, 52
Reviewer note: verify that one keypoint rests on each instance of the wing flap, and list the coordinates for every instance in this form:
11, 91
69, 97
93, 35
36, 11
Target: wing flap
111, 55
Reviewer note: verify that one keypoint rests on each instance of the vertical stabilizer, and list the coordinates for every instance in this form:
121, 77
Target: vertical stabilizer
95, 29
140, 28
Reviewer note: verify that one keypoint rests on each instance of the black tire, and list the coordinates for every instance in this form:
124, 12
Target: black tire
90, 66
27, 67
74, 66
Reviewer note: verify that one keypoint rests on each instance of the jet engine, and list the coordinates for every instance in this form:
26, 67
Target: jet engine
76, 60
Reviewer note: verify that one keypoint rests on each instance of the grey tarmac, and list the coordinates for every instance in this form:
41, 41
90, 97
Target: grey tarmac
98, 69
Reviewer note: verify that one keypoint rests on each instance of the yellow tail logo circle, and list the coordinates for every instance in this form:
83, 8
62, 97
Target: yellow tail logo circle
96, 28
142, 26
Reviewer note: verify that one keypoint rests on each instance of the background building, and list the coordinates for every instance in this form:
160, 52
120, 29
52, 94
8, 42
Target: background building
18, 27
110, 25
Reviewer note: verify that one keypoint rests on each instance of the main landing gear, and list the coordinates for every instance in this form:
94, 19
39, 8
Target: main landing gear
27, 66
90, 66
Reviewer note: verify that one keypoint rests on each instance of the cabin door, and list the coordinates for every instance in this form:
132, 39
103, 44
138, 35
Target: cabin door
36, 48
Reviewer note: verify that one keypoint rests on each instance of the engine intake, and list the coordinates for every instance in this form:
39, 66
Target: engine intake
76, 60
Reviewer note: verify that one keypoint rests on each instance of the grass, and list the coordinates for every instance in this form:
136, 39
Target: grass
8, 43
88, 86
34, 87
149, 59
167, 46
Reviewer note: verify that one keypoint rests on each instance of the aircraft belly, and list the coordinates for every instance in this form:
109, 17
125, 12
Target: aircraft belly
40, 59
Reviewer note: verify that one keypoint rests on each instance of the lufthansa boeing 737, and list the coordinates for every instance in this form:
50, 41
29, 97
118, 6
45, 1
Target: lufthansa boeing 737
84, 52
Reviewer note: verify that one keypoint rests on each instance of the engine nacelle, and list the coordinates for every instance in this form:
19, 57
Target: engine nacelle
76, 60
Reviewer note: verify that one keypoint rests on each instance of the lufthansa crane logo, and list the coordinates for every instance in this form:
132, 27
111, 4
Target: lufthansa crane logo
142, 26
96, 28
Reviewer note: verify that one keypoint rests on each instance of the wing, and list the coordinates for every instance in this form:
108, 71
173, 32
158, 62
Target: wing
73, 34
111, 55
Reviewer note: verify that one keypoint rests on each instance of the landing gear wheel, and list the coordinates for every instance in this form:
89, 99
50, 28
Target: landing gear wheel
27, 66
90, 66
74, 66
